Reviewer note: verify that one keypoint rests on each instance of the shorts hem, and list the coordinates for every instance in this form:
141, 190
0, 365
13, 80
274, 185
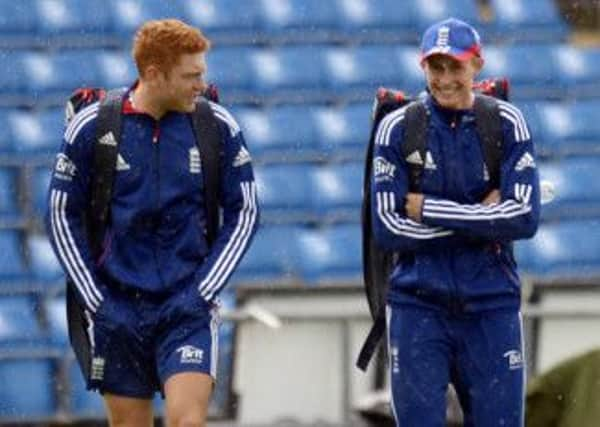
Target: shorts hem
124, 393
168, 374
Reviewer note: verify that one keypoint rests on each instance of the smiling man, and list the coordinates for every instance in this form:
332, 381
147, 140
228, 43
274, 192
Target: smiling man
149, 295
454, 292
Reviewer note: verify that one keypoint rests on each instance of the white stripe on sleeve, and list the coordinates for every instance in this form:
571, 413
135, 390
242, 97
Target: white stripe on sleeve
68, 251
403, 226
80, 120
235, 247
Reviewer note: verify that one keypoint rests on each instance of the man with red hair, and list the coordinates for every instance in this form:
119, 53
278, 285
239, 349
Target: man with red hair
150, 295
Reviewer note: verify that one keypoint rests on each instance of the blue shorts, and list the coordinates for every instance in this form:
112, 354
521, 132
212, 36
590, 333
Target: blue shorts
481, 354
146, 341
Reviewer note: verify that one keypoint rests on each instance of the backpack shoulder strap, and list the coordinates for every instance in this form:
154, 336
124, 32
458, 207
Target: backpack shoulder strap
489, 128
377, 263
414, 146
106, 150
208, 140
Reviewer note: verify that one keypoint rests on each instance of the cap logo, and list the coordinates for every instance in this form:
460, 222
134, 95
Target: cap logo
443, 36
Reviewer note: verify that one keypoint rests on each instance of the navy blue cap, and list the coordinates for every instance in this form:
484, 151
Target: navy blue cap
451, 37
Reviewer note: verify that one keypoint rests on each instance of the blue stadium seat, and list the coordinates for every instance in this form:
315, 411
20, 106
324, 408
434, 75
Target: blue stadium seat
58, 73
19, 325
270, 258
283, 191
528, 20
12, 264
43, 263
76, 18
570, 128
257, 129
578, 69
231, 19
305, 16
429, 12
497, 63
577, 188
115, 69
28, 389
288, 68
336, 191
36, 132
373, 16
331, 255
283, 134
343, 133
529, 77
12, 79
128, 15
230, 68
364, 68
56, 317
40, 73
8, 193
6, 142
565, 250
16, 17
410, 75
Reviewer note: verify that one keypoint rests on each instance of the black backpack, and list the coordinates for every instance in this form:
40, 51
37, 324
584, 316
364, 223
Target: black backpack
106, 150
377, 263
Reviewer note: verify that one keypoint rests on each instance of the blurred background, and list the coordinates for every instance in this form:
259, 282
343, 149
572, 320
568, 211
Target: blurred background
299, 76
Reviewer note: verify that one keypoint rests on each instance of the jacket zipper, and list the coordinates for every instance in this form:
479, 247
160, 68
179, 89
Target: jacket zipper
456, 301
497, 247
156, 173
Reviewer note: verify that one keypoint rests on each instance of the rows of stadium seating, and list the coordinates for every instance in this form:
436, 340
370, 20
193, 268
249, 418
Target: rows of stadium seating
82, 22
317, 132
302, 73
298, 75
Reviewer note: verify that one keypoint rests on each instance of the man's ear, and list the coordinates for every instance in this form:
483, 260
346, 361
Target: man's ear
477, 63
152, 74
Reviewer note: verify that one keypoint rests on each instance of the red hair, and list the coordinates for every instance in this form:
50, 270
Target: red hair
162, 42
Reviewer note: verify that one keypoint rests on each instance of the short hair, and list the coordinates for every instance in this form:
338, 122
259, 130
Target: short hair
162, 42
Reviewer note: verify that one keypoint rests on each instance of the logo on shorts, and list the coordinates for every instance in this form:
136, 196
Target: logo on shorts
515, 359
395, 362
98, 368
195, 161
190, 354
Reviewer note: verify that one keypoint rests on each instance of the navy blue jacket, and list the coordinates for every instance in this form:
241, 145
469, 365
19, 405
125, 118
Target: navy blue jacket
155, 241
460, 256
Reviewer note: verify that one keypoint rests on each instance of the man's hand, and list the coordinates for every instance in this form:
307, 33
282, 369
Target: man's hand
414, 206
492, 197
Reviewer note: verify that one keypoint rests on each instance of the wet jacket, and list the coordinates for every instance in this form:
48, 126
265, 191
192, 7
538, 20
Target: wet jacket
460, 256
155, 241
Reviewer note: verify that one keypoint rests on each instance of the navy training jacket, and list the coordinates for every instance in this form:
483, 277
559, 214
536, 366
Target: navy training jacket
459, 258
155, 240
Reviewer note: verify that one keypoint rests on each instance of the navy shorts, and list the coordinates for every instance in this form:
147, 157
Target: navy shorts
480, 354
145, 339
